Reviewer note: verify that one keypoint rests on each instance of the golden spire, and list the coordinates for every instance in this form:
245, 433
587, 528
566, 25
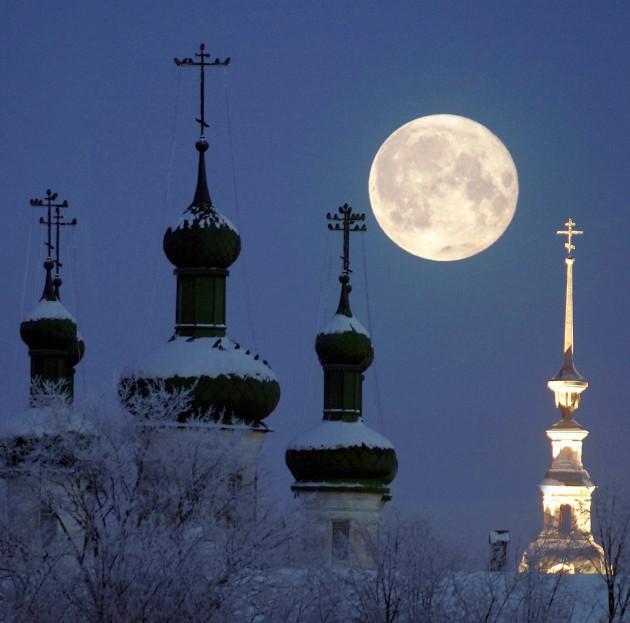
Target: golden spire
568, 384
569, 232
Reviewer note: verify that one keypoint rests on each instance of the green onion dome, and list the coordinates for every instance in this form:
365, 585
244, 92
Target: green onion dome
203, 237
50, 326
337, 453
229, 384
344, 341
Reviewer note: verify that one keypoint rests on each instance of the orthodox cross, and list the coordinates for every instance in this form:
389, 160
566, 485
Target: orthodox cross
569, 232
346, 220
54, 218
202, 64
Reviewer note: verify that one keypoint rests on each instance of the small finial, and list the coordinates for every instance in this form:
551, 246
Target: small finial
347, 221
49, 293
202, 64
569, 232
54, 218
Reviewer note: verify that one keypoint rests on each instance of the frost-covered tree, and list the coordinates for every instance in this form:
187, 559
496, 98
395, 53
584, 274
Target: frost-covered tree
611, 514
138, 529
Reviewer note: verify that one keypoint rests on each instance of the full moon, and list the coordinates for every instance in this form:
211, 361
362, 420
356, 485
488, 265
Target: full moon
443, 187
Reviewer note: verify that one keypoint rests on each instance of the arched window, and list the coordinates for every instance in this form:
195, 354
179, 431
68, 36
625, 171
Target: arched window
341, 541
565, 523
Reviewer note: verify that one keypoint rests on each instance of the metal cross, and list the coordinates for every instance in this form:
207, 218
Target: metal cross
202, 64
346, 221
53, 219
569, 232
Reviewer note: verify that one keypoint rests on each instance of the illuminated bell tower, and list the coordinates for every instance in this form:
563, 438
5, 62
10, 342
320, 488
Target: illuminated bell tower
566, 544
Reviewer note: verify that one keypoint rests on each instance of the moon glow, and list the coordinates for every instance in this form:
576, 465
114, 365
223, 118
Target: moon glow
443, 187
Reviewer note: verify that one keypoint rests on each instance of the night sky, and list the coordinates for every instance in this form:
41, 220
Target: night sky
93, 107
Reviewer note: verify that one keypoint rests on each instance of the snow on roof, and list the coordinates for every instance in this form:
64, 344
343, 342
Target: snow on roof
209, 218
341, 323
40, 421
336, 434
49, 309
499, 536
203, 356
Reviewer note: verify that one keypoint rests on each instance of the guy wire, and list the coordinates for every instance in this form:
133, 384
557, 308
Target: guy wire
377, 389
244, 271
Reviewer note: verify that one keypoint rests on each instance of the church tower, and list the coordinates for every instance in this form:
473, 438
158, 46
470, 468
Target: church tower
50, 331
55, 348
566, 544
341, 467
232, 389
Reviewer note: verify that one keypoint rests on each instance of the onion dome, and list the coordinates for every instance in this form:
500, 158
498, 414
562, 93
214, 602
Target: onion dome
50, 325
346, 454
229, 384
203, 237
341, 452
50, 332
344, 340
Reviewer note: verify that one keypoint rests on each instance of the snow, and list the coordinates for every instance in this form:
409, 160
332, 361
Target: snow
324, 484
209, 218
49, 309
583, 595
203, 356
40, 421
343, 324
499, 536
336, 434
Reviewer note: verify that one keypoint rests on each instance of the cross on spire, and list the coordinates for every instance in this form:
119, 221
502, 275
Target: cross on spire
569, 232
346, 220
202, 64
54, 218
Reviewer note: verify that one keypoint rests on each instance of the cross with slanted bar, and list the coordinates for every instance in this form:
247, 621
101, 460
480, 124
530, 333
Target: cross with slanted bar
202, 64
55, 220
569, 232
346, 221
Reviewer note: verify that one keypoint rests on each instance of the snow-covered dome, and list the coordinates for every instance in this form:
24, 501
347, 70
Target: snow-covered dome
230, 384
50, 332
49, 326
344, 340
203, 237
338, 452
341, 451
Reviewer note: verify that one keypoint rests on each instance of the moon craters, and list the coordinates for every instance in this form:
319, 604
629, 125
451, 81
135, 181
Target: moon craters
443, 187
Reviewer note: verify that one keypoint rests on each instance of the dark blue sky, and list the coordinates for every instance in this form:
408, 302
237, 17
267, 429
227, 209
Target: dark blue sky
94, 108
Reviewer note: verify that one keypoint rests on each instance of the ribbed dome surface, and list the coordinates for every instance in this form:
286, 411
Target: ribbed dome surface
229, 384
342, 452
203, 237
344, 341
49, 327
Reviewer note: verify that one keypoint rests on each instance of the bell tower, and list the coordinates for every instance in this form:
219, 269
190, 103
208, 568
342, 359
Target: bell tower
565, 544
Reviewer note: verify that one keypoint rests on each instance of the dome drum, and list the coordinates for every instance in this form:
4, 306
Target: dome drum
201, 302
342, 393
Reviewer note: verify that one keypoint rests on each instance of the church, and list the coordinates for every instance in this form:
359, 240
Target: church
223, 395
